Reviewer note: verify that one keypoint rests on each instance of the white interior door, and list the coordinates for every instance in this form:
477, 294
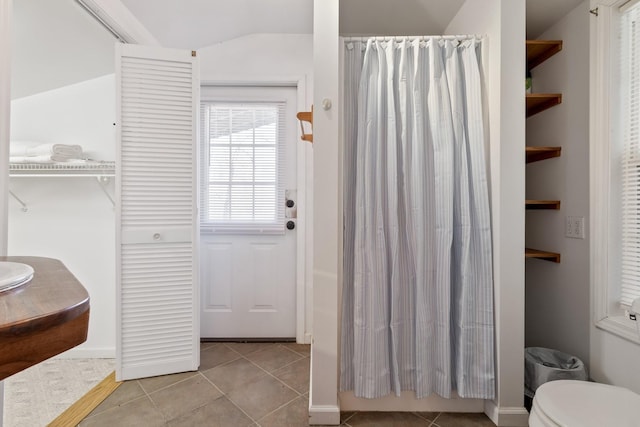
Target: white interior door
156, 212
248, 252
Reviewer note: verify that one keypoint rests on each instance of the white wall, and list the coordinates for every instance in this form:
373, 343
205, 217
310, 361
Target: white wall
70, 218
81, 113
614, 360
260, 57
557, 295
396, 18
327, 244
502, 22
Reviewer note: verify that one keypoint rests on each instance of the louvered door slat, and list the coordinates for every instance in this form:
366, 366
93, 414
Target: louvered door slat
158, 329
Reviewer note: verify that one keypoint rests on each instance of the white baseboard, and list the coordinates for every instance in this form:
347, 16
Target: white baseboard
307, 338
512, 416
325, 415
89, 353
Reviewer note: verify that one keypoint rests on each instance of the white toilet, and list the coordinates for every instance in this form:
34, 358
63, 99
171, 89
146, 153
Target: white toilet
570, 403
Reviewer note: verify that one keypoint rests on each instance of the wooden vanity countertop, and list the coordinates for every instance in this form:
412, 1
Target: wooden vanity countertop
42, 318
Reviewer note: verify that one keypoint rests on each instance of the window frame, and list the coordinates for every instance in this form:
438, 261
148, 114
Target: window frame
606, 311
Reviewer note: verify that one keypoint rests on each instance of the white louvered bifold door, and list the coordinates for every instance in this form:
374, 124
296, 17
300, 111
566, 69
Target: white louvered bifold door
157, 282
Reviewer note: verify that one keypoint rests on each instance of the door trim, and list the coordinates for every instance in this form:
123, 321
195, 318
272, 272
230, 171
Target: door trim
304, 241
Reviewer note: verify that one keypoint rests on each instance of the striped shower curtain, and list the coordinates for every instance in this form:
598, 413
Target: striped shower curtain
417, 306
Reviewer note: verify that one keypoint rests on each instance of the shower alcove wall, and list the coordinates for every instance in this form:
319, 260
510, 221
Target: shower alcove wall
500, 24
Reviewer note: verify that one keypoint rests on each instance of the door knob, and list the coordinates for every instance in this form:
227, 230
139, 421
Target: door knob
290, 203
291, 225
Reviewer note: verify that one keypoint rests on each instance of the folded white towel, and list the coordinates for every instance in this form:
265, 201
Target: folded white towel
68, 151
30, 159
77, 161
71, 151
20, 148
62, 151
65, 158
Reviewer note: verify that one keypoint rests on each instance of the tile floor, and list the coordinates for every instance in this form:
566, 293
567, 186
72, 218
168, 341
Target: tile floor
243, 384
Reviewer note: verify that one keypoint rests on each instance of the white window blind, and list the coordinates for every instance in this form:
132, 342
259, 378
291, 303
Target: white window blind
630, 167
243, 167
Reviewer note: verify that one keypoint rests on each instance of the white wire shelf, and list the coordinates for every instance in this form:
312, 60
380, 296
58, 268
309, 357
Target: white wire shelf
90, 169
102, 171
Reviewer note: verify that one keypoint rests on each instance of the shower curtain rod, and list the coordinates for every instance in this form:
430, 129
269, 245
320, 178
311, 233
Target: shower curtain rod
400, 38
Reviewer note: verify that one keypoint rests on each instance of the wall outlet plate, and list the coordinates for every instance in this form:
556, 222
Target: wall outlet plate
574, 227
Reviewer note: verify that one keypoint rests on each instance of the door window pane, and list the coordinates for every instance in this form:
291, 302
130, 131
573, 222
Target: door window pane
243, 167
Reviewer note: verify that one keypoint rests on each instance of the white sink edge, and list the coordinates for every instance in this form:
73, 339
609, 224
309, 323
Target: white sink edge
14, 275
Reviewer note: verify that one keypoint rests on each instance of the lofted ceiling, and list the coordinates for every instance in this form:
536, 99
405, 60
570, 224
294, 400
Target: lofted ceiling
56, 43
193, 24
541, 14
425, 17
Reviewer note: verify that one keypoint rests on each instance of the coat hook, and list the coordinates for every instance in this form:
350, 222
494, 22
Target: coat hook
306, 116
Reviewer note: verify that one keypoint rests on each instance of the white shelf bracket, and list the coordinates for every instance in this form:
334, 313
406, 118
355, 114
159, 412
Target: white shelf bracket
103, 181
24, 207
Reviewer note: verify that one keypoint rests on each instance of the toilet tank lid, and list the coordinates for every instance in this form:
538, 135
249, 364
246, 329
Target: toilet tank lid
587, 404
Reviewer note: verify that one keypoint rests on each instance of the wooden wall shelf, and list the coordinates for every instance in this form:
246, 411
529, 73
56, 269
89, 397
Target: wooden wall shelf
538, 102
539, 51
535, 154
542, 204
543, 255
